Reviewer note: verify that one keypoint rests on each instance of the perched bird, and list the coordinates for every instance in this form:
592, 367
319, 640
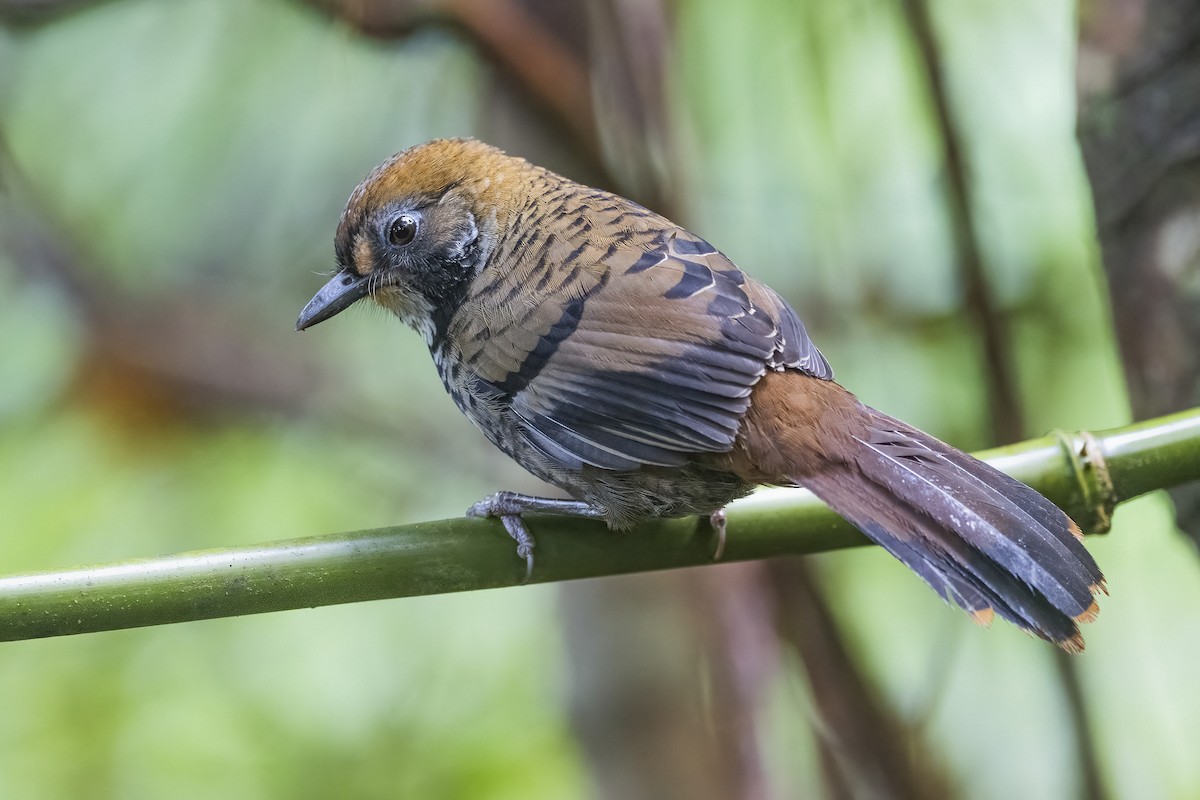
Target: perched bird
629, 362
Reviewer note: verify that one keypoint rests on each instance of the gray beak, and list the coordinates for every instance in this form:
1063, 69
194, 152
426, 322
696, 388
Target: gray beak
343, 290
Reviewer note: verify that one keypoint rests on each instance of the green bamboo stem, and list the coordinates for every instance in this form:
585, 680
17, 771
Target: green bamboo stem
1087, 474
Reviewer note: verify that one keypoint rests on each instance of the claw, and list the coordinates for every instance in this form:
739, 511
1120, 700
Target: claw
717, 520
520, 534
528, 566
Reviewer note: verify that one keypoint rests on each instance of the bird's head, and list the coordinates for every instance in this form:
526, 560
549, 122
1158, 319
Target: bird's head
419, 228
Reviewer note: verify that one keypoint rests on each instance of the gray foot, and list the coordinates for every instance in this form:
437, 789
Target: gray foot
508, 508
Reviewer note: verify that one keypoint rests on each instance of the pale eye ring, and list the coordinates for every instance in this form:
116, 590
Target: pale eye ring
402, 230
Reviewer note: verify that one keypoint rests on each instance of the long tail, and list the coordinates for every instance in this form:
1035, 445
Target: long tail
982, 540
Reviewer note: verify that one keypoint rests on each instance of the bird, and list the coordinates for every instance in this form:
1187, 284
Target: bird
627, 361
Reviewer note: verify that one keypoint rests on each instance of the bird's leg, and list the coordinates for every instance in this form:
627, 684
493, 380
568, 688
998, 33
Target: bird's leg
502, 504
509, 506
717, 520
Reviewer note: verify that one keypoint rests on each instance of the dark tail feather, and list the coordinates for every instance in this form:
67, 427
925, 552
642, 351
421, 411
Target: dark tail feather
980, 538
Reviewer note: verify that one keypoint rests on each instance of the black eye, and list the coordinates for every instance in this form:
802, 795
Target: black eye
402, 230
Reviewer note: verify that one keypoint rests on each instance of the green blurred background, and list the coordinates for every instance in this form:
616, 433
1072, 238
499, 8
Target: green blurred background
170, 178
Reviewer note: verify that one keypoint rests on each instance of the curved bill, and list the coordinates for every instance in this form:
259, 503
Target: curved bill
342, 291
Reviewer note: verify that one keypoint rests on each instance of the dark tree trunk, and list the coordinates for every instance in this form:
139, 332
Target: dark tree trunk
1139, 126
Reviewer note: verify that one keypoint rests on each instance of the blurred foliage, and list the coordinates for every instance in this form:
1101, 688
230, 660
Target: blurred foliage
192, 159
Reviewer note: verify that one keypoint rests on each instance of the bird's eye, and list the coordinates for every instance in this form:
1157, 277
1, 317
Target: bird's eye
402, 230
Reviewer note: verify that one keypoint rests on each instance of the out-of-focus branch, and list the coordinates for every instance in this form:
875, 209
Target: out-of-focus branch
39, 12
866, 750
518, 44
1004, 405
1005, 413
148, 360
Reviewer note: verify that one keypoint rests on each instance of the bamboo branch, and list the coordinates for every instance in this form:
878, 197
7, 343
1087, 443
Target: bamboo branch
1087, 474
